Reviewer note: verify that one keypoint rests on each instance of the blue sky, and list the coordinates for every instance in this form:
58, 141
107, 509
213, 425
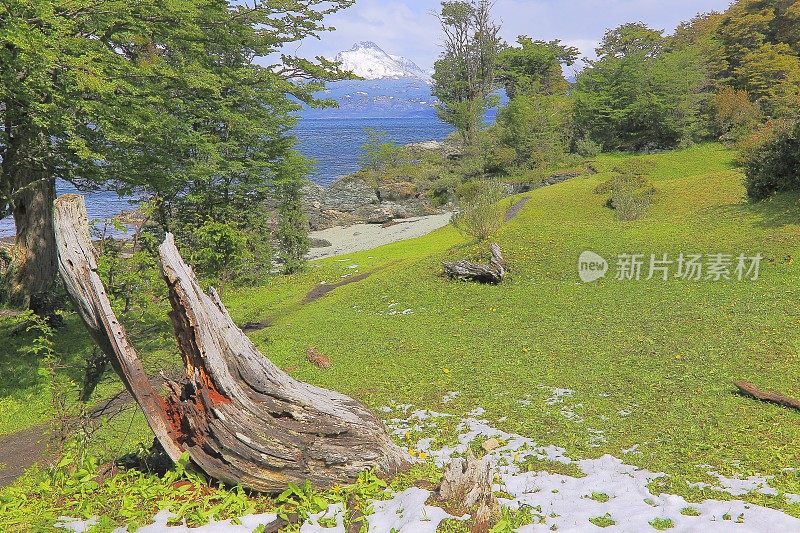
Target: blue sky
408, 29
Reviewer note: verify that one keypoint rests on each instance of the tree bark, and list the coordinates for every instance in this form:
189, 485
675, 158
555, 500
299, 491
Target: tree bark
32, 191
239, 417
465, 270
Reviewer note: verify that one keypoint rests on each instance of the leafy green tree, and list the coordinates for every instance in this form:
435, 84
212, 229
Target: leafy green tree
534, 67
771, 74
632, 39
161, 99
292, 233
464, 75
639, 95
760, 52
538, 128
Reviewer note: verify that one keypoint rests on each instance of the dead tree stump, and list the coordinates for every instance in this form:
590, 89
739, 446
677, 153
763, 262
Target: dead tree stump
238, 416
467, 482
465, 270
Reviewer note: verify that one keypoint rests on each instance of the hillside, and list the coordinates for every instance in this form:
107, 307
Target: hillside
648, 364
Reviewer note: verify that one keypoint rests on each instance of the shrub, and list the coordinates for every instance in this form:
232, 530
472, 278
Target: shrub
735, 115
771, 158
586, 147
481, 215
631, 192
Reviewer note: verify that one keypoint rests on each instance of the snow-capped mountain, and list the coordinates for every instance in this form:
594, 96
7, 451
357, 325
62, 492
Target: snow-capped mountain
369, 61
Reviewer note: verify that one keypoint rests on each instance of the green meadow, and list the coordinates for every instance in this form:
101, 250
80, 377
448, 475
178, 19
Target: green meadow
651, 362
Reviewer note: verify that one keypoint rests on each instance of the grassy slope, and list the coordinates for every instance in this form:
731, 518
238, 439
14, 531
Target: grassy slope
665, 351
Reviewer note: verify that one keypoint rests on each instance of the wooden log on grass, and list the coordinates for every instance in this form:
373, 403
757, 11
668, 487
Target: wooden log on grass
465, 270
751, 390
239, 417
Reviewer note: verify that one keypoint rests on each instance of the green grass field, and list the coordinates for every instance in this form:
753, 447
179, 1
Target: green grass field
652, 362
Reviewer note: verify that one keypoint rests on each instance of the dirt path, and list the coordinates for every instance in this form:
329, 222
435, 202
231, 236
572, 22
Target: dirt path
19, 451
516, 208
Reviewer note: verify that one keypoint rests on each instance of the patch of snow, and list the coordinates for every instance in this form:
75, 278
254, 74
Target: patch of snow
75, 525
450, 396
559, 502
558, 396
367, 60
632, 449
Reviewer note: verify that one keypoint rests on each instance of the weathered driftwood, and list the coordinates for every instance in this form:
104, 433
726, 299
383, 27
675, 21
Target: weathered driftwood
240, 418
751, 390
465, 270
467, 482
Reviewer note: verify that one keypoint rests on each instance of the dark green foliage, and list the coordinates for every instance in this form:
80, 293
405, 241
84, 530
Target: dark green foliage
292, 233
638, 97
161, 99
772, 160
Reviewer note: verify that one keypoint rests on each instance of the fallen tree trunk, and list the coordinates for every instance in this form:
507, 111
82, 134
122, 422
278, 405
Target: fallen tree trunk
238, 416
465, 270
773, 397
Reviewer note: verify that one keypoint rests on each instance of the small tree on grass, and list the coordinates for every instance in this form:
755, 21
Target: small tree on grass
379, 154
481, 215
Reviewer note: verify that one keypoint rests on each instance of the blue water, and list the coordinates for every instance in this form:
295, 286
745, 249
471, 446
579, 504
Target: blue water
332, 138
335, 144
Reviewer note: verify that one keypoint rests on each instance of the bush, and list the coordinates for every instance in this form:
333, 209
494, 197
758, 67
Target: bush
586, 147
631, 192
499, 159
735, 115
481, 215
771, 158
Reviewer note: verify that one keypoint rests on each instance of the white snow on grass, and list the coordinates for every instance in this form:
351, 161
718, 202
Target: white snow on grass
567, 503
608, 488
558, 396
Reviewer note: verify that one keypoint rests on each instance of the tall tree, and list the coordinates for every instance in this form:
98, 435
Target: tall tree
760, 43
464, 75
150, 96
534, 67
639, 94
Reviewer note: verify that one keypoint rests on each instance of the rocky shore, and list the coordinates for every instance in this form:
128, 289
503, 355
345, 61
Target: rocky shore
354, 200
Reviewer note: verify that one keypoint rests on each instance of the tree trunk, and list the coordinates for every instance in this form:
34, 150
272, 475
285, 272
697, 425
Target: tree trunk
465, 270
240, 418
34, 254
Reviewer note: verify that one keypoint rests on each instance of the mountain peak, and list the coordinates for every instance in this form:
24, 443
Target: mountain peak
366, 45
368, 60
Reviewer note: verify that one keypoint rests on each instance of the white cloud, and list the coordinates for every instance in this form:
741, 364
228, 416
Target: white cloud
408, 28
